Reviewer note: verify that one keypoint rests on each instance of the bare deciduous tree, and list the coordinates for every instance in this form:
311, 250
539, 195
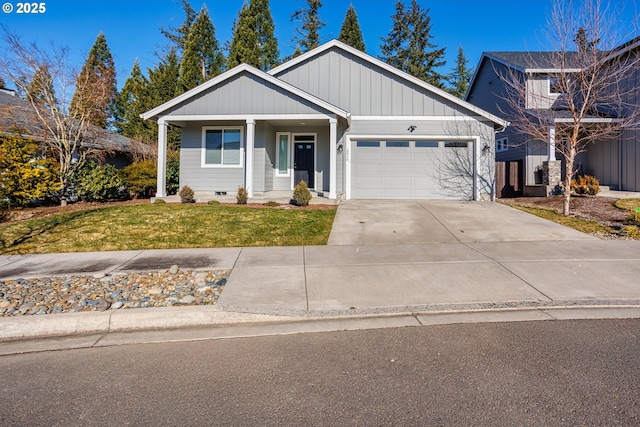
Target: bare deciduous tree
65, 136
591, 76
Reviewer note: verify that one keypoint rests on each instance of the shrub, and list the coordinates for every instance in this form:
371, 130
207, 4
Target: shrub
271, 203
242, 196
159, 202
173, 176
186, 195
301, 194
585, 184
213, 203
5, 213
98, 183
25, 174
140, 178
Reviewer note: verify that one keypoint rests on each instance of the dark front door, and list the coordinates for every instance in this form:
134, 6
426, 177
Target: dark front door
303, 167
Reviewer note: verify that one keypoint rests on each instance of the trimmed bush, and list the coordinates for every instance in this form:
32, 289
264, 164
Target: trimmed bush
96, 183
585, 185
159, 202
301, 194
140, 178
242, 196
186, 194
213, 203
271, 203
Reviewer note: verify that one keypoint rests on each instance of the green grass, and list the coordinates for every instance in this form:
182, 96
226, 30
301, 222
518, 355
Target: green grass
166, 226
627, 204
579, 224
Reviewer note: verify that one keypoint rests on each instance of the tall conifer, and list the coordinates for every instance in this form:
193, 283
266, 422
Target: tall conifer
460, 76
408, 46
96, 89
308, 34
253, 41
133, 101
350, 32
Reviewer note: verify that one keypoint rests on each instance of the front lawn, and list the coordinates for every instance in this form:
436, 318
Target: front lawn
166, 226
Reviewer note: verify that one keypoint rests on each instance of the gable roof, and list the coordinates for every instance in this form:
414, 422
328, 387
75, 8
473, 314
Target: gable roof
534, 62
157, 112
336, 44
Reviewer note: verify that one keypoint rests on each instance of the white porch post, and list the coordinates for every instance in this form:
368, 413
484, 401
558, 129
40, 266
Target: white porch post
161, 190
333, 147
552, 144
251, 131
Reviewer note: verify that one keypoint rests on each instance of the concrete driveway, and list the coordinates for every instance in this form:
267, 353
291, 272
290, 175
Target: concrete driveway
381, 222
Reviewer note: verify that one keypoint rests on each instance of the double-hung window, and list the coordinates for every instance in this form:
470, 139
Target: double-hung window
221, 146
502, 144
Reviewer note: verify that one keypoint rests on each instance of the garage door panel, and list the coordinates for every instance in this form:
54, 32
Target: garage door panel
431, 171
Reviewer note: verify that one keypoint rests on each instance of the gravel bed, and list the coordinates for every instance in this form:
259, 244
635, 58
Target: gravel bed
101, 292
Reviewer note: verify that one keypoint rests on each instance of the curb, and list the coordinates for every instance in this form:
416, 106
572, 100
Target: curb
214, 323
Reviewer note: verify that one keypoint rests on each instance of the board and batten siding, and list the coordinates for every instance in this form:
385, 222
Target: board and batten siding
365, 89
207, 179
245, 94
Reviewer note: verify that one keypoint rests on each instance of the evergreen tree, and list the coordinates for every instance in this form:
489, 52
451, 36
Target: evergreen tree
583, 43
178, 36
96, 88
40, 90
163, 79
460, 76
253, 41
244, 43
265, 31
408, 46
309, 31
350, 32
132, 102
202, 58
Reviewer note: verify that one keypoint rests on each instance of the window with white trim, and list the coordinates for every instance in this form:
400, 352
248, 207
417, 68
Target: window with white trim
283, 141
502, 144
222, 146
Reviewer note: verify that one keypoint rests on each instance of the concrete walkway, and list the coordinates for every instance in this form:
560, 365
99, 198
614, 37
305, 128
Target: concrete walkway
448, 259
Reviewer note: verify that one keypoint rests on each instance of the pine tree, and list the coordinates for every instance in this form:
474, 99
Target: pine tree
460, 76
350, 32
265, 30
202, 58
178, 36
253, 41
96, 88
163, 79
132, 102
309, 31
408, 47
40, 90
244, 42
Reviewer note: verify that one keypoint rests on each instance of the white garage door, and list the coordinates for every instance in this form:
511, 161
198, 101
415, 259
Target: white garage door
403, 169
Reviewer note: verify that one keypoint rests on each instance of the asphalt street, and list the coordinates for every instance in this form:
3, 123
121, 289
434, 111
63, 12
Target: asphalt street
581, 372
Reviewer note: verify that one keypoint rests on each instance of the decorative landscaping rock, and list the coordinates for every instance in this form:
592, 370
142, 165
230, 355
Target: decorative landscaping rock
104, 292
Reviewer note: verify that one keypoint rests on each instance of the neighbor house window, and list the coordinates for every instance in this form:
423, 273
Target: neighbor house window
502, 144
554, 85
282, 155
221, 146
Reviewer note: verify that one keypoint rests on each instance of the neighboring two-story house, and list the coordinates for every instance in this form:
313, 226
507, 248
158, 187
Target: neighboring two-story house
522, 163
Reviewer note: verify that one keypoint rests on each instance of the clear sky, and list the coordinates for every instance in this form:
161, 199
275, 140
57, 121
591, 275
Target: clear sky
132, 27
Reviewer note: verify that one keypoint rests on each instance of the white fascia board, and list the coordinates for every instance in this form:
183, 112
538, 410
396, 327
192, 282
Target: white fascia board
376, 62
589, 120
243, 117
422, 118
233, 72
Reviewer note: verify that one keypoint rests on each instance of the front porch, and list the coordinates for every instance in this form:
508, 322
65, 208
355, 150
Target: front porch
281, 197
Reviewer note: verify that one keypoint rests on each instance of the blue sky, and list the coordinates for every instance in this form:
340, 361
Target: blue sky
132, 26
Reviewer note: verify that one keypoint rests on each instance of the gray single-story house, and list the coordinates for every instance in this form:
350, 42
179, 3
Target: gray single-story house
348, 124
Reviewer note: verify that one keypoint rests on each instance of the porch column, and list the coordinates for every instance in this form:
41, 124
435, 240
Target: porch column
161, 189
551, 144
251, 132
333, 147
